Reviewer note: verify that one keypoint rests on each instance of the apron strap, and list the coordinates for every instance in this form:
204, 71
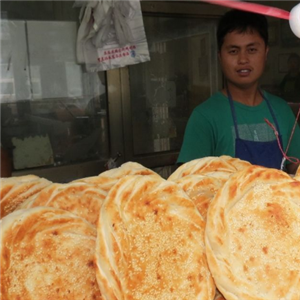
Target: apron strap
271, 111
234, 114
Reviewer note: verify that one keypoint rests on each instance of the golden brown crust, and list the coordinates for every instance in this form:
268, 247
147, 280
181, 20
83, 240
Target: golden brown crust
105, 183
150, 243
221, 167
128, 168
219, 296
201, 189
16, 190
253, 237
108, 179
80, 198
297, 174
47, 253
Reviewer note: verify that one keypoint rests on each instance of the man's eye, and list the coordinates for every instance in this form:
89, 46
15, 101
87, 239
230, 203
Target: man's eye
252, 50
233, 51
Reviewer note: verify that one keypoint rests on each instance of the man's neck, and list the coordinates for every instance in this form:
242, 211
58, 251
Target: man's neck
248, 96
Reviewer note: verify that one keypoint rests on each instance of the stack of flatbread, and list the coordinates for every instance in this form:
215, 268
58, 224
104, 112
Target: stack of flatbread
85, 196
80, 198
218, 228
253, 236
16, 190
219, 167
47, 253
150, 243
202, 178
108, 179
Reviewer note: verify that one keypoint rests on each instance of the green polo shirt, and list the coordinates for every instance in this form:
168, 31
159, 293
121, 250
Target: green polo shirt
210, 128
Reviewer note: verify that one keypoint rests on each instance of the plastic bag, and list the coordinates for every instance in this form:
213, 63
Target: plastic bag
111, 35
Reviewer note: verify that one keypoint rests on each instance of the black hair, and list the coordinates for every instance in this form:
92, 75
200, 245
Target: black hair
242, 21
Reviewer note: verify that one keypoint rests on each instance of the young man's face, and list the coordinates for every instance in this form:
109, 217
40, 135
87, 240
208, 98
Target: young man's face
243, 57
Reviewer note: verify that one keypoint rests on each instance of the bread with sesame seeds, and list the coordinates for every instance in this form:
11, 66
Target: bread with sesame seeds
150, 243
80, 198
201, 189
128, 168
17, 189
253, 238
106, 180
47, 253
221, 167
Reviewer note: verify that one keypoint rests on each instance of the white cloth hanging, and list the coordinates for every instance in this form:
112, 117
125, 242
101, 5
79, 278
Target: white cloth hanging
110, 25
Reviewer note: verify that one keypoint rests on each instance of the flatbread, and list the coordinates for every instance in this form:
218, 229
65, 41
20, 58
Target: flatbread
15, 190
297, 174
150, 243
201, 189
106, 180
47, 253
221, 167
8, 183
80, 198
105, 183
253, 236
219, 296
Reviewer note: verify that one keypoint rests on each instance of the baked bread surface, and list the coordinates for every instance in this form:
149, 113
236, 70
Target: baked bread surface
80, 198
221, 167
47, 253
253, 236
150, 243
201, 189
16, 190
106, 180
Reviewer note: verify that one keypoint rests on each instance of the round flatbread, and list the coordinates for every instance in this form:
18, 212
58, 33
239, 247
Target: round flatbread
108, 179
47, 253
253, 236
201, 189
8, 183
297, 174
219, 296
15, 190
80, 198
221, 167
150, 243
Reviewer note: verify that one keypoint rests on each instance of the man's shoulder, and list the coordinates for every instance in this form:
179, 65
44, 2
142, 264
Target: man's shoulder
280, 106
214, 102
276, 100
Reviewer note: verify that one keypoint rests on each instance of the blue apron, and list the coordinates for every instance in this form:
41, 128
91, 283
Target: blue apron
265, 154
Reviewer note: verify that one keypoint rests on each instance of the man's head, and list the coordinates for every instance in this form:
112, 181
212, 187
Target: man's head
243, 48
241, 21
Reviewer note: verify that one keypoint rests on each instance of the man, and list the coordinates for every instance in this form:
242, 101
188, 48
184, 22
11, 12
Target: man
233, 121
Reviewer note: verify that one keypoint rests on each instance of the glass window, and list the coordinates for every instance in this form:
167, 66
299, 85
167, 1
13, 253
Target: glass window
182, 73
282, 73
52, 111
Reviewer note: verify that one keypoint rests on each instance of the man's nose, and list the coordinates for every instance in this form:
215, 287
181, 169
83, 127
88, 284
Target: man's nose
243, 57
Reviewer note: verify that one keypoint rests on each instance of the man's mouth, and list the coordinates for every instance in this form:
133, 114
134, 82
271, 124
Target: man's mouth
244, 71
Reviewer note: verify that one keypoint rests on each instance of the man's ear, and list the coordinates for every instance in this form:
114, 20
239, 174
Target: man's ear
267, 51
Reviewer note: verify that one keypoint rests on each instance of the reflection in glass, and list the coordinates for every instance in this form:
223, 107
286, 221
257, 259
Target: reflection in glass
182, 73
52, 111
